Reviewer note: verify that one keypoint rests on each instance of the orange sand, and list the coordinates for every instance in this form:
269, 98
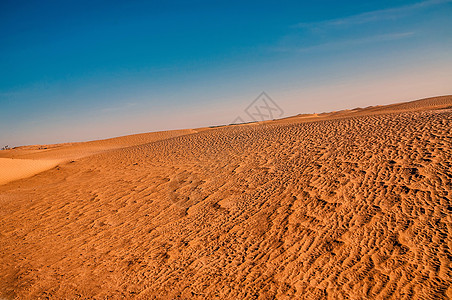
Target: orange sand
353, 204
14, 169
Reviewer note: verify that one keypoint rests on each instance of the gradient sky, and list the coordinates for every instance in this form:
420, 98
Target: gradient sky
84, 70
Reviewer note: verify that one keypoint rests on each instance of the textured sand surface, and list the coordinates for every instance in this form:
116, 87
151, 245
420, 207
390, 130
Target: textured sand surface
344, 205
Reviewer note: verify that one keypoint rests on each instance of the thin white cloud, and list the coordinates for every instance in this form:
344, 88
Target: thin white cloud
372, 16
349, 42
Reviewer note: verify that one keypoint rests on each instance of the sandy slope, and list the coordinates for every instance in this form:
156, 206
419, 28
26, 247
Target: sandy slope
14, 169
346, 205
26, 161
71, 151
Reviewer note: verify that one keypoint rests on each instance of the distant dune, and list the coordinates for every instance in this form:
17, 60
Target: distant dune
14, 169
354, 204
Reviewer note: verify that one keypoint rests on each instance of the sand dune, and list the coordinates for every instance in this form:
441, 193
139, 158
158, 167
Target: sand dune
70, 151
345, 205
14, 169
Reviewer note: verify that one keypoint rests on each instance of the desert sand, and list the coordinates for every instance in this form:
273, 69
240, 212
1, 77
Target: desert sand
354, 204
14, 169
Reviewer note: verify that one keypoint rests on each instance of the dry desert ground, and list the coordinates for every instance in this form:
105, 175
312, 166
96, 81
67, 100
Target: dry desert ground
353, 204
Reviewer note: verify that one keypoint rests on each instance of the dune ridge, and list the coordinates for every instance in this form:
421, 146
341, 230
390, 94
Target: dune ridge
345, 205
25, 161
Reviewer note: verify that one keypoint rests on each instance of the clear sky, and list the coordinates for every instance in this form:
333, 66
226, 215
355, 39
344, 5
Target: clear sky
83, 70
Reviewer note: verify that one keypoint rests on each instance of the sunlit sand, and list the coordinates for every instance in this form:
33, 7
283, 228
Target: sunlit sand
344, 205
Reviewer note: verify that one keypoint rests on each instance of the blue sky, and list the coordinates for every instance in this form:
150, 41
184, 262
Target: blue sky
83, 70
